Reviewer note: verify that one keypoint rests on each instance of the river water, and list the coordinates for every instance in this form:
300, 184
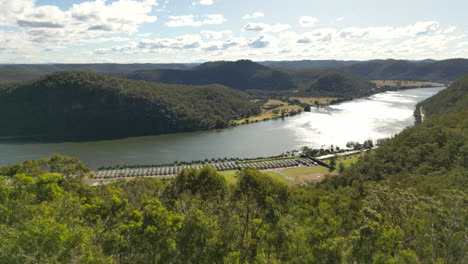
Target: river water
379, 116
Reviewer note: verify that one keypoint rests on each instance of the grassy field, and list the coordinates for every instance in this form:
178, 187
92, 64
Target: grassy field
280, 178
309, 174
293, 173
231, 178
396, 83
270, 110
347, 161
311, 100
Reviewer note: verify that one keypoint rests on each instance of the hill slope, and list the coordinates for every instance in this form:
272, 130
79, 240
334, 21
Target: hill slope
80, 105
427, 70
248, 75
405, 202
438, 71
241, 75
24, 72
450, 100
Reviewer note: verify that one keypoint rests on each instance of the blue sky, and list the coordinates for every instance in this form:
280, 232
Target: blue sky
155, 31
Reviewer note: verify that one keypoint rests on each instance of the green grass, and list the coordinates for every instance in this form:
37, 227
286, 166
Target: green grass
294, 173
229, 171
231, 178
280, 178
347, 161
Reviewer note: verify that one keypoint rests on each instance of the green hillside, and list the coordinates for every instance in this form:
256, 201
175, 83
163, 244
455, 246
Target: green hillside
331, 83
80, 105
446, 101
23, 72
444, 71
248, 75
241, 75
405, 202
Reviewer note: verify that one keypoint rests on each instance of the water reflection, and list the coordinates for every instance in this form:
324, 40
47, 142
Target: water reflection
381, 115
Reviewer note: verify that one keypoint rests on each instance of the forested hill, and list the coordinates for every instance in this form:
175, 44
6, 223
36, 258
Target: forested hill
82, 105
241, 75
248, 75
23, 72
452, 99
443, 71
405, 202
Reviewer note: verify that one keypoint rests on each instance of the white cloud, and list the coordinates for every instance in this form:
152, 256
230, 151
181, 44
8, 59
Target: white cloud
208, 34
81, 21
214, 19
419, 28
224, 45
181, 43
307, 21
11, 10
258, 42
318, 35
206, 2
253, 15
261, 27
191, 21
450, 30
339, 19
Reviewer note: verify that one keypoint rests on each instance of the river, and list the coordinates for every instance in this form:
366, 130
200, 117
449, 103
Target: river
379, 116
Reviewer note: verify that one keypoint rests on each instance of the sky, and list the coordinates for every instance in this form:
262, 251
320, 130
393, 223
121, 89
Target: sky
182, 31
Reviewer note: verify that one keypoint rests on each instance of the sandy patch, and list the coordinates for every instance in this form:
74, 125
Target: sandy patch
313, 177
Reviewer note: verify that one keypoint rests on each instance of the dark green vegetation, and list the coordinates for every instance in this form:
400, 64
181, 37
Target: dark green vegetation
438, 71
428, 70
86, 106
446, 101
307, 64
22, 72
251, 76
443, 71
81, 105
403, 203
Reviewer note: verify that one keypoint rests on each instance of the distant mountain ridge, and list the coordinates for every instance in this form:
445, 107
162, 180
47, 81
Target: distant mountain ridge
420, 70
22, 72
249, 75
444, 71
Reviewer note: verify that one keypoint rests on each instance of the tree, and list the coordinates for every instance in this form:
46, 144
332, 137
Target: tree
341, 167
332, 163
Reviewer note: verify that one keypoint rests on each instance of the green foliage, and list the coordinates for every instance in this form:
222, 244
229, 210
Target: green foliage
67, 166
340, 84
248, 75
80, 105
449, 100
24, 72
403, 203
206, 183
434, 71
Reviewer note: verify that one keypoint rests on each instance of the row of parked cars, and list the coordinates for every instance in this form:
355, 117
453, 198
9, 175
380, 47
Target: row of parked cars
221, 166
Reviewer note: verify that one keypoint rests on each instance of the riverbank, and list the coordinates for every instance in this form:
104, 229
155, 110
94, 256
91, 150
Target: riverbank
375, 117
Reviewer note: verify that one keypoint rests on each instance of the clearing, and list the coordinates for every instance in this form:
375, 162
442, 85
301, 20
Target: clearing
270, 110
